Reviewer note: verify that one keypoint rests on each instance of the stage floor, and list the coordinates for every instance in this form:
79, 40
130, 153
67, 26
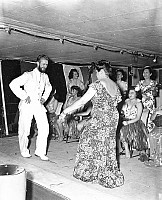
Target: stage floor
141, 182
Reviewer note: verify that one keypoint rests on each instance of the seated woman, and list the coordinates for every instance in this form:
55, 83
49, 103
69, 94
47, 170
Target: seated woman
55, 129
133, 132
155, 139
70, 124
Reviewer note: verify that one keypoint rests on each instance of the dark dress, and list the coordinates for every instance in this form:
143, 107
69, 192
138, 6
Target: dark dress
96, 153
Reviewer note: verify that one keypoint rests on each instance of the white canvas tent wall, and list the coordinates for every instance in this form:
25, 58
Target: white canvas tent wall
82, 31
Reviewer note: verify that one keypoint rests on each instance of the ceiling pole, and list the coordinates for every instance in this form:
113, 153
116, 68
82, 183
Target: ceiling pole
3, 100
129, 76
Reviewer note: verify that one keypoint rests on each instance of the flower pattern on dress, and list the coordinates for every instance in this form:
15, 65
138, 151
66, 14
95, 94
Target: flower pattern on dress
96, 153
147, 94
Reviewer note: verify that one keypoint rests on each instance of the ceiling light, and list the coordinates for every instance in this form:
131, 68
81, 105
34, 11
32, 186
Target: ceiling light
141, 54
95, 47
61, 41
155, 59
122, 51
8, 30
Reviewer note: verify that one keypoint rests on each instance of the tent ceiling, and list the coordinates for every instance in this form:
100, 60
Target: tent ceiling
134, 26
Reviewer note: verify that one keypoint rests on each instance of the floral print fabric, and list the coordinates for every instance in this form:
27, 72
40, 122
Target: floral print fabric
147, 94
96, 153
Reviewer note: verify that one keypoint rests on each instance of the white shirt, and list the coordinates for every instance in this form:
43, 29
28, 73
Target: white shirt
34, 84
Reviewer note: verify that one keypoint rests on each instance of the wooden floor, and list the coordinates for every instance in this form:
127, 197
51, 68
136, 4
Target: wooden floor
55, 176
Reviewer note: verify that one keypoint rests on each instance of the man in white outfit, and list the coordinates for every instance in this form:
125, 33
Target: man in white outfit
33, 88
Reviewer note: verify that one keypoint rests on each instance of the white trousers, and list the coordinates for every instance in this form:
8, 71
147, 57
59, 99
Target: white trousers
26, 113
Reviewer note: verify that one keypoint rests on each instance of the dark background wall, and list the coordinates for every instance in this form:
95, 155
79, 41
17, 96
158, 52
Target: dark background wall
10, 70
57, 79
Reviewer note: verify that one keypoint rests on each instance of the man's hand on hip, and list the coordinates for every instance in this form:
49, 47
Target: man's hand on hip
27, 100
42, 101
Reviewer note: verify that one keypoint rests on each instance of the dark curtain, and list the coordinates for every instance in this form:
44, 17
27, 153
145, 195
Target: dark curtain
10, 70
57, 80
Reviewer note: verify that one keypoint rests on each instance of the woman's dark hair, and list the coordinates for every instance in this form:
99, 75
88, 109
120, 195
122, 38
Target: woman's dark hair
74, 87
103, 65
152, 72
138, 93
149, 68
123, 73
71, 73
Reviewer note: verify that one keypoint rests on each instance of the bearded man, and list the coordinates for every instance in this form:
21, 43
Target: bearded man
33, 88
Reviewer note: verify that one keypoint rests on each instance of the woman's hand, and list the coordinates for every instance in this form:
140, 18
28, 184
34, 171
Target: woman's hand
159, 112
125, 123
62, 117
27, 100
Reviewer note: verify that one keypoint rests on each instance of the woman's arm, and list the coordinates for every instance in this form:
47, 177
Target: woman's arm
156, 112
84, 113
153, 115
67, 101
52, 105
82, 101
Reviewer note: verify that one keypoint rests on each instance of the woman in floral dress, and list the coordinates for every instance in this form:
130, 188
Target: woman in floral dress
148, 90
155, 138
96, 153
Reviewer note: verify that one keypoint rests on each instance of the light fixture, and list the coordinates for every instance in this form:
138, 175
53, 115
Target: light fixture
8, 30
141, 54
95, 47
121, 51
62, 40
155, 59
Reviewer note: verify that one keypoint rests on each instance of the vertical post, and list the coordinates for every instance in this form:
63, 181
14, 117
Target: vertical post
130, 76
3, 99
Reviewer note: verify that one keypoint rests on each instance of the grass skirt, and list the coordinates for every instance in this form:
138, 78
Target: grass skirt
135, 134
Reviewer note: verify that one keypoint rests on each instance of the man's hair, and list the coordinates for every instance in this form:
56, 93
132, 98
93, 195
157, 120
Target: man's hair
42, 57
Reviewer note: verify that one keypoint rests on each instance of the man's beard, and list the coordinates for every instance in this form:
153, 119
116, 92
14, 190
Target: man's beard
42, 70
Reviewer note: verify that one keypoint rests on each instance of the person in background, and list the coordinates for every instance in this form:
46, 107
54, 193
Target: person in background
96, 153
133, 132
85, 115
155, 139
74, 80
70, 125
33, 88
123, 86
120, 80
56, 131
149, 91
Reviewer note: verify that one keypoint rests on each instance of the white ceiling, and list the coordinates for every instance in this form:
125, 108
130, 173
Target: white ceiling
39, 26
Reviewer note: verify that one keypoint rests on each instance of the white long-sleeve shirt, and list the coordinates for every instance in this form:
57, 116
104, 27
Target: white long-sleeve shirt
34, 84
